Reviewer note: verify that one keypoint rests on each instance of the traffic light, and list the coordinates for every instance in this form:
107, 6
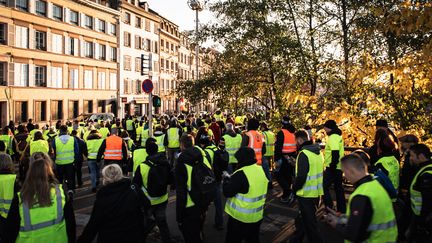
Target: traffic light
156, 101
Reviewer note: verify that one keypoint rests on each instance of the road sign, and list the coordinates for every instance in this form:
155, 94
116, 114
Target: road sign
147, 86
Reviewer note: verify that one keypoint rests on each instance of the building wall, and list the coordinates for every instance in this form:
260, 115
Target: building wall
58, 68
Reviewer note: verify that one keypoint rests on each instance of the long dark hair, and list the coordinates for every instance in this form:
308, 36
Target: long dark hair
40, 179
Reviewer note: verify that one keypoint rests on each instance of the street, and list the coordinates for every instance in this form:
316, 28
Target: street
277, 226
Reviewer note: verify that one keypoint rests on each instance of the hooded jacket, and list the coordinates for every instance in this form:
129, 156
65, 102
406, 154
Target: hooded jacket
280, 141
64, 139
303, 164
335, 153
188, 156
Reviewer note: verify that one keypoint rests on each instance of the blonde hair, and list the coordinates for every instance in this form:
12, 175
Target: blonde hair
111, 173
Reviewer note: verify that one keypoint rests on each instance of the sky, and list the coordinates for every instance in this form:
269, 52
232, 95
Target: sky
179, 12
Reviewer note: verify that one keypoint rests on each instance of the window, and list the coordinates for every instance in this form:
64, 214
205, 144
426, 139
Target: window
41, 7
155, 50
138, 64
127, 39
22, 5
21, 37
88, 106
113, 81
148, 45
3, 2
127, 17
138, 86
102, 26
56, 110
40, 76
21, 111
156, 66
3, 33
162, 63
56, 77
167, 65
137, 42
126, 86
71, 46
88, 79
3, 80
127, 62
162, 44
147, 25
101, 80
172, 66
113, 54
88, 22
73, 110
57, 43
57, 12
73, 17
40, 111
101, 106
88, 49
155, 28
167, 45
102, 52
112, 29
73, 78
21, 72
172, 47
40, 40
138, 22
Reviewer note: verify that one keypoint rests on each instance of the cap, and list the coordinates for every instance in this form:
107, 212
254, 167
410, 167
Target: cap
331, 124
381, 123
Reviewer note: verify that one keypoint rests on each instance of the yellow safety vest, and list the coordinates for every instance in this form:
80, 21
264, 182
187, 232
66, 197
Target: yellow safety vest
144, 136
7, 139
7, 186
139, 156
129, 125
270, 140
232, 145
144, 169
93, 146
249, 207
65, 153
416, 197
391, 164
313, 186
160, 143
173, 137
334, 142
104, 131
39, 146
43, 224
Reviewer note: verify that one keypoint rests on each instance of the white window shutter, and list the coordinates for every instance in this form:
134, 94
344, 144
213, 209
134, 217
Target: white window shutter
66, 45
96, 50
76, 46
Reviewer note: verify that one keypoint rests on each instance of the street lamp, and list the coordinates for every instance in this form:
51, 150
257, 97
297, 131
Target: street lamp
197, 6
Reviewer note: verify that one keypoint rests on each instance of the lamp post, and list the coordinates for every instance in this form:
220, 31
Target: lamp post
197, 6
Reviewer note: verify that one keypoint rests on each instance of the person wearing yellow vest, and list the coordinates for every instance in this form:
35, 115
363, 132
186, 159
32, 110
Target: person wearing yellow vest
65, 149
114, 150
153, 177
7, 138
93, 143
218, 115
254, 139
103, 130
231, 142
160, 138
269, 139
39, 144
189, 215
370, 216
41, 212
172, 141
140, 154
421, 194
145, 134
8, 188
285, 152
138, 130
308, 187
245, 191
333, 152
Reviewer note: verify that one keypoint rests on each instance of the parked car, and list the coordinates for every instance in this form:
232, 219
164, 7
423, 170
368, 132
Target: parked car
102, 116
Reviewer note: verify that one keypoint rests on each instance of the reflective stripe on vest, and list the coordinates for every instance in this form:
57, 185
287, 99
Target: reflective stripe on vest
382, 227
249, 207
28, 226
65, 153
7, 186
391, 164
313, 186
173, 138
416, 197
256, 143
39, 146
93, 146
144, 169
113, 149
289, 143
232, 144
160, 143
270, 143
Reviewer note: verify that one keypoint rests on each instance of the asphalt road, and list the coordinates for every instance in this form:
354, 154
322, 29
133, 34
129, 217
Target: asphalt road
277, 226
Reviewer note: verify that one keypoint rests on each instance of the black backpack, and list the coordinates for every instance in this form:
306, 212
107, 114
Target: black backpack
203, 190
158, 179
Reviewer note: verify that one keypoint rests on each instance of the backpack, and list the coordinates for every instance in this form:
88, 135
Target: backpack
385, 181
203, 190
158, 179
21, 145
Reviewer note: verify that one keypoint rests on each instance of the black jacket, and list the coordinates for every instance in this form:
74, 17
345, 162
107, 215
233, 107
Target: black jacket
303, 164
424, 186
161, 160
117, 214
13, 221
82, 150
238, 182
188, 156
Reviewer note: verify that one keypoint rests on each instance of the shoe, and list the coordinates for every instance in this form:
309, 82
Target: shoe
70, 194
218, 227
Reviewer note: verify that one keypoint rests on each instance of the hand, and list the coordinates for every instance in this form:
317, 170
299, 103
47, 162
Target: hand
331, 220
332, 212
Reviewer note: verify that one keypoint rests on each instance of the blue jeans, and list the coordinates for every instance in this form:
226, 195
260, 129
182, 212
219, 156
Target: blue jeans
218, 205
94, 172
266, 167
